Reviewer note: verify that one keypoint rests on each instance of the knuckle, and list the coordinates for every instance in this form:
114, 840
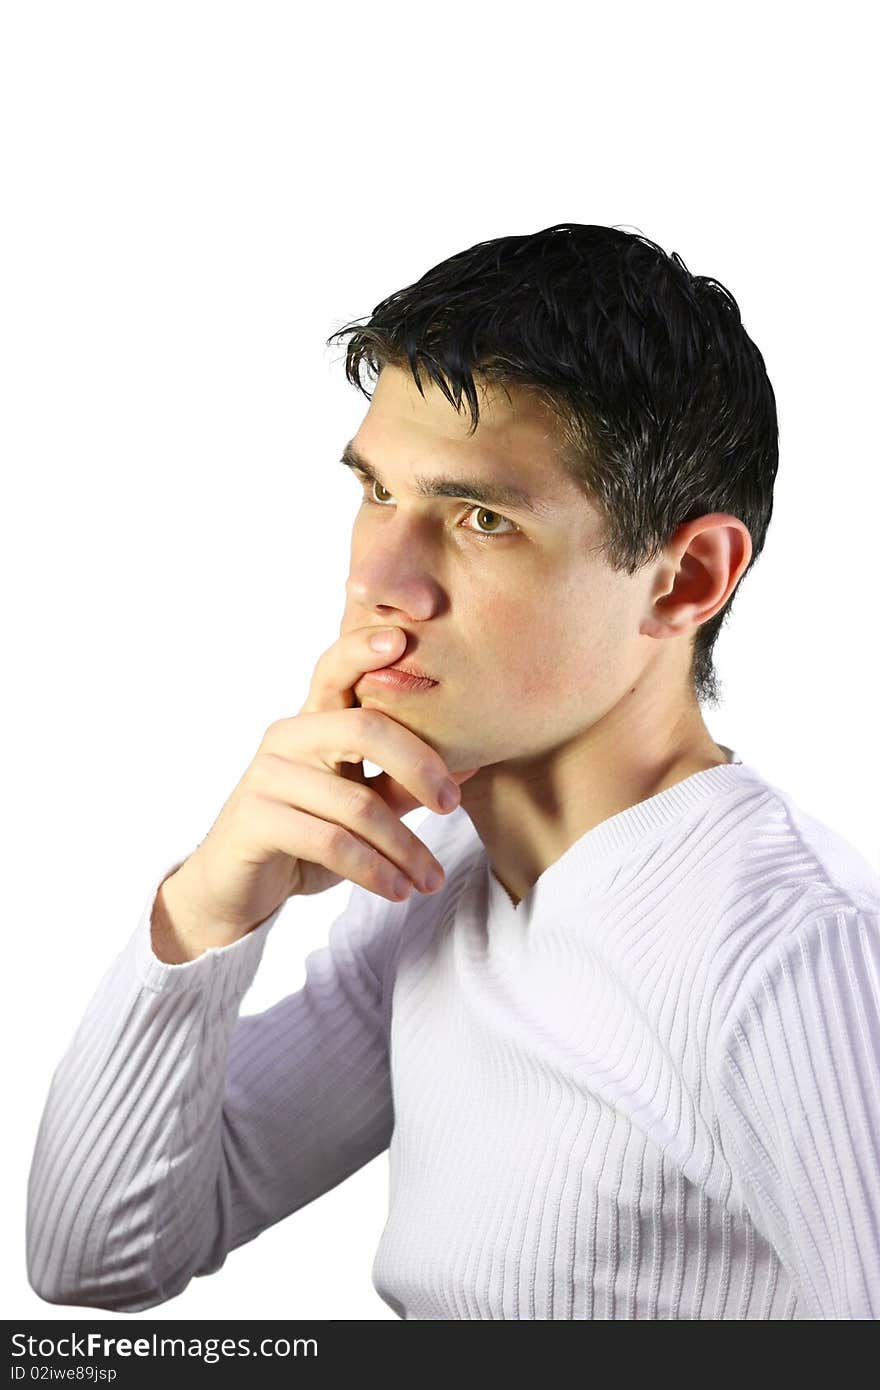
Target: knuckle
266, 768
244, 810
332, 838
425, 768
282, 732
359, 801
261, 768
377, 873
369, 720
426, 859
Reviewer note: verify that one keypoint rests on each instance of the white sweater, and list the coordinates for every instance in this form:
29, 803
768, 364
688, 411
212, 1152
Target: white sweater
650, 1090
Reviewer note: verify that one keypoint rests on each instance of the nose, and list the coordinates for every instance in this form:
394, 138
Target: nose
389, 581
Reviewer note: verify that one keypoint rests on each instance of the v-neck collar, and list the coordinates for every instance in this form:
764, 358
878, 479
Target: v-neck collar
612, 837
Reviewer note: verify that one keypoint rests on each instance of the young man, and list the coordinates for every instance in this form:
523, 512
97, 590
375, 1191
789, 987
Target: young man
627, 1055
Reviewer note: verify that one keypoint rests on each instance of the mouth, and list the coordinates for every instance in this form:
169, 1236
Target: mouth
409, 669
404, 677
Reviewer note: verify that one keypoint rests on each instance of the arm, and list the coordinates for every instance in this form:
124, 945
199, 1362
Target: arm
175, 1131
797, 1082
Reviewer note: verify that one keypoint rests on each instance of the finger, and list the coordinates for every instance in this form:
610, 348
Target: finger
307, 837
398, 798
341, 666
348, 736
356, 807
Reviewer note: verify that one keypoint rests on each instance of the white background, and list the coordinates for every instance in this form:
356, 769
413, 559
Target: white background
195, 196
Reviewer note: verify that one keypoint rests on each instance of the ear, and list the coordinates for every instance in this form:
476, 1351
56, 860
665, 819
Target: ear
700, 568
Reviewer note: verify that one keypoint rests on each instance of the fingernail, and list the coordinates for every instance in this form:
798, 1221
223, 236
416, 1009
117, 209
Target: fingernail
384, 640
448, 795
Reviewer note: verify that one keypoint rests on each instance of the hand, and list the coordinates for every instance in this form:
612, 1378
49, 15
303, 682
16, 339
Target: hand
304, 817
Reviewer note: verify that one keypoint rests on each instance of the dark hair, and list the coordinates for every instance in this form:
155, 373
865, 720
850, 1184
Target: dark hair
665, 406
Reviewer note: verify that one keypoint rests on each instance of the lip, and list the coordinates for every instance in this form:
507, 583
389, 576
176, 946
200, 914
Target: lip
396, 678
409, 669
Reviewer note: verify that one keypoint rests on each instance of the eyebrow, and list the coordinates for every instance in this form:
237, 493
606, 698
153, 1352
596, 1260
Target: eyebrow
473, 489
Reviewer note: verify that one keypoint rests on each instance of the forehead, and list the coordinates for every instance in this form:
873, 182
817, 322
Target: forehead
518, 440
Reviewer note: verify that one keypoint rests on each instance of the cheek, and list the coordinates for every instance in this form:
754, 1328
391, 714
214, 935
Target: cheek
557, 649
533, 645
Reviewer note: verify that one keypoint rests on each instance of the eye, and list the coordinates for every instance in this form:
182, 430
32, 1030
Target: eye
474, 509
478, 511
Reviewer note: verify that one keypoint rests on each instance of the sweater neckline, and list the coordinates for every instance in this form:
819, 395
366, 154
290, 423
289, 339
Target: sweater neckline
612, 837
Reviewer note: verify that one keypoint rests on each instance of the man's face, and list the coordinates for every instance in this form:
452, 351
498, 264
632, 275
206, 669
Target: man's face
531, 636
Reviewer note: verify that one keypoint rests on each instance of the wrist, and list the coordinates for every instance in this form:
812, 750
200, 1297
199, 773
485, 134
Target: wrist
177, 927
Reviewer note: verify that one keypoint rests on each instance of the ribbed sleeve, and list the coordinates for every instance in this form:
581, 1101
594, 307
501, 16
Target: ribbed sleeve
797, 1081
174, 1130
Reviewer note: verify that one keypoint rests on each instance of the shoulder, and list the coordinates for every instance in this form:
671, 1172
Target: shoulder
768, 850
831, 860
793, 901
812, 978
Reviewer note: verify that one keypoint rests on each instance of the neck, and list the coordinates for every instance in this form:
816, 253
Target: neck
528, 812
